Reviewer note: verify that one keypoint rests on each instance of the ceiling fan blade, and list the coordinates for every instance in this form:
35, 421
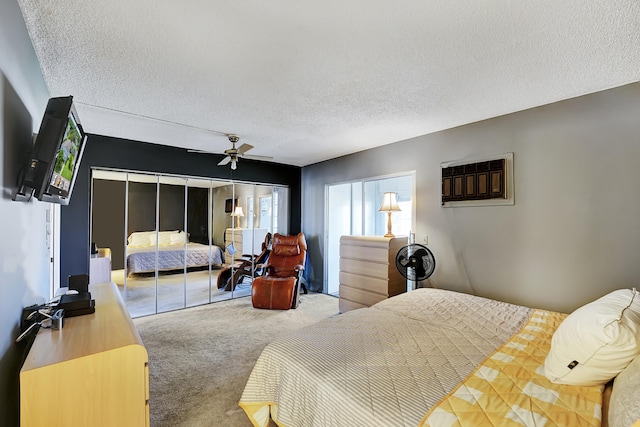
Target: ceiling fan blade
224, 161
244, 148
252, 157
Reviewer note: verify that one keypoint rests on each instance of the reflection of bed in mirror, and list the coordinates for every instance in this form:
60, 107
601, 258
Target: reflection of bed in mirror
171, 253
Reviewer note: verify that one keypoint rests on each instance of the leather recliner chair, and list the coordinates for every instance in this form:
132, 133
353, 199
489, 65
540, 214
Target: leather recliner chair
279, 287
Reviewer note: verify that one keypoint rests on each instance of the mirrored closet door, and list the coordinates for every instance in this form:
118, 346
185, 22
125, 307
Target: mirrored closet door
177, 241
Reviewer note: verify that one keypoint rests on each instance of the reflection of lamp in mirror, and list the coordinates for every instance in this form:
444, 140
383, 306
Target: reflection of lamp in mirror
237, 213
389, 204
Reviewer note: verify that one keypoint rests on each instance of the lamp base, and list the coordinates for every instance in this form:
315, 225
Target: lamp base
389, 233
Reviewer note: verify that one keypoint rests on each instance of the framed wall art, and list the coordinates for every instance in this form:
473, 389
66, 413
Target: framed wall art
486, 181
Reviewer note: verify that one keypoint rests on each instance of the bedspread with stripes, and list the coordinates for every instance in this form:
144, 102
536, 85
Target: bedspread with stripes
383, 365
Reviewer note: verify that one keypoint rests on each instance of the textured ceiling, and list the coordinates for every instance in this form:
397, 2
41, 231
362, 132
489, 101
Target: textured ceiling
309, 81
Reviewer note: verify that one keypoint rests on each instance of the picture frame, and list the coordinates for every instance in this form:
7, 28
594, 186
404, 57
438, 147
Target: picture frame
478, 181
230, 205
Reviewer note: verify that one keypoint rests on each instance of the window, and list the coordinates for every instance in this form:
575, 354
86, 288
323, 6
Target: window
352, 209
265, 212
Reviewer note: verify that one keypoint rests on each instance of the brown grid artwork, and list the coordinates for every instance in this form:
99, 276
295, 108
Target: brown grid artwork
474, 181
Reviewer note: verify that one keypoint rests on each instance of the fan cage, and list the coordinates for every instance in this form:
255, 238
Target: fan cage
415, 262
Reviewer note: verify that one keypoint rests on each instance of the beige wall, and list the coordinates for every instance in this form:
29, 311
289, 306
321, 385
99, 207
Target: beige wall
574, 231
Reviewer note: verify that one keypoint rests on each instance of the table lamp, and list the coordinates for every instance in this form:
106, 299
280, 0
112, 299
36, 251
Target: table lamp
238, 213
389, 204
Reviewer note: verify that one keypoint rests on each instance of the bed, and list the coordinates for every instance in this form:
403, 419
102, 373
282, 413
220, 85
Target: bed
171, 245
433, 358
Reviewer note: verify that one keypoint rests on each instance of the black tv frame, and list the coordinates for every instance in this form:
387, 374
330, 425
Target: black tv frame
38, 175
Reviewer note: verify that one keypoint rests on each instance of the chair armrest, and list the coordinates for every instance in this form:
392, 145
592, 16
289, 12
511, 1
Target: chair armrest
242, 261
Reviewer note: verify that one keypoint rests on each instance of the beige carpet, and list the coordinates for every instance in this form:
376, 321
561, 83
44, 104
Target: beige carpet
200, 358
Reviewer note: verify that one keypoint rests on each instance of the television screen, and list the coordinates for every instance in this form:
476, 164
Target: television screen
56, 155
66, 160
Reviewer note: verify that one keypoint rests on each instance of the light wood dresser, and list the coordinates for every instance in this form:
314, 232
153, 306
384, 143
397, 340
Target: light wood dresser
368, 272
243, 239
92, 372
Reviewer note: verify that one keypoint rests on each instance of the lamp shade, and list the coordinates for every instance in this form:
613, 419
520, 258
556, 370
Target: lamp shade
389, 203
238, 211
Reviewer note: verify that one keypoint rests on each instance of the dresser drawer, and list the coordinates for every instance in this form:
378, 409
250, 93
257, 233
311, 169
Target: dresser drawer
372, 254
346, 305
361, 296
364, 268
371, 284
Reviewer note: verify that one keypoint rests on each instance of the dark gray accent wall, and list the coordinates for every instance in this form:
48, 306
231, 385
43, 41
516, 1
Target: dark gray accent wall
124, 154
108, 214
108, 218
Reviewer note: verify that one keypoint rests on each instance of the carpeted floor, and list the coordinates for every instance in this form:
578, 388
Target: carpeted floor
200, 358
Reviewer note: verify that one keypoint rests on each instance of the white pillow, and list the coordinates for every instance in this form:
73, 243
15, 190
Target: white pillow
597, 341
164, 237
140, 238
178, 238
624, 405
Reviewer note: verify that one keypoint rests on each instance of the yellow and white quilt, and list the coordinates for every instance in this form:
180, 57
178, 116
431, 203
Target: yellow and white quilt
390, 364
510, 389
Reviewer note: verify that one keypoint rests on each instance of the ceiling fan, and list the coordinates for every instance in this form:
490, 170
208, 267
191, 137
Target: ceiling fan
233, 153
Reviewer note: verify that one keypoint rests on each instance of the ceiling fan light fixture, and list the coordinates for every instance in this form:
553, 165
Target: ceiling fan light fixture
234, 154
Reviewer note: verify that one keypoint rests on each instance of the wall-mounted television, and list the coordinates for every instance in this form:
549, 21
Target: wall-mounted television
57, 151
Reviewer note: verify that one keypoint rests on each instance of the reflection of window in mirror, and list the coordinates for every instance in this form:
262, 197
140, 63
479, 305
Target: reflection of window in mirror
275, 211
250, 212
265, 212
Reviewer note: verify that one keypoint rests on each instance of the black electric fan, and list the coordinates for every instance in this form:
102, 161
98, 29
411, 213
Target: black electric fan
415, 262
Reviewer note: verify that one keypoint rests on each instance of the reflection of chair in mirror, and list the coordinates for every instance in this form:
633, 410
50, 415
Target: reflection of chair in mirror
279, 286
249, 266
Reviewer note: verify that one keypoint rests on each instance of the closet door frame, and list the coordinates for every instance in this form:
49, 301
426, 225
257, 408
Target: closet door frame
128, 176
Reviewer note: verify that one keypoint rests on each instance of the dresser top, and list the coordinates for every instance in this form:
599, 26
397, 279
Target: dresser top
374, 240
109, 328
